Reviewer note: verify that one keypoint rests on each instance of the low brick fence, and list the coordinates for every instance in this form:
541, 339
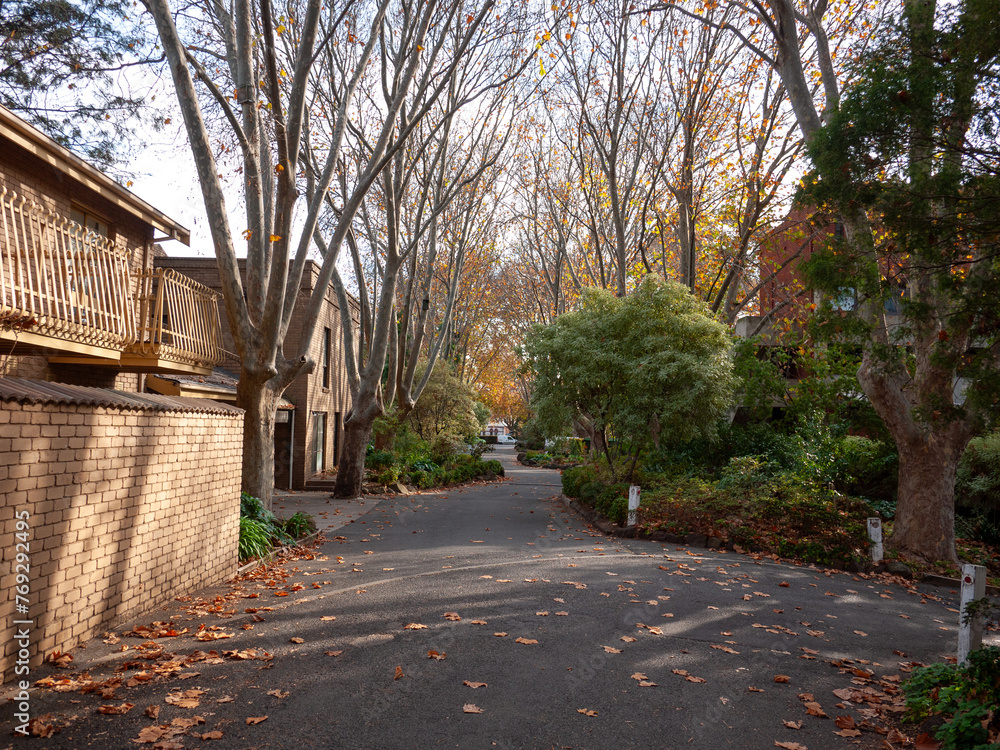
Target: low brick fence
115, 502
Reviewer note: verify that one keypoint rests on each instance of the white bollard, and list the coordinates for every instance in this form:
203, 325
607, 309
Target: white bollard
633, 503
970, 634
875, 534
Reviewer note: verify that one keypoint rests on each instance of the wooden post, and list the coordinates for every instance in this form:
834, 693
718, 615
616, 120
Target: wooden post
970, 634
875, 534
633, 503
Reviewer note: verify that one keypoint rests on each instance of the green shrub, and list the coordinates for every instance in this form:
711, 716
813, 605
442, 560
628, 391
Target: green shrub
389, 476
612, 502
965, 695
867, 468
424, 465
378, 459
977, 482
575, 477
299, 525
443, 448
255, 539
494, 467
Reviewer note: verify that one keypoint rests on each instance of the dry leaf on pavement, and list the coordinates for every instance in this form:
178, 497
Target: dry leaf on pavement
123, 708
453, 616
432, 654
213, 735
399, 673
251, 720
278, 693
185, 699
333, 653
414, 626
611, 650
500, 635
586, 711
473, 685
296, 640
519, 639
781, 678
790, 745
471, 708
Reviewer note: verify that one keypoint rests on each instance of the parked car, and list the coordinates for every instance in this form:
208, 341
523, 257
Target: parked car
506, 439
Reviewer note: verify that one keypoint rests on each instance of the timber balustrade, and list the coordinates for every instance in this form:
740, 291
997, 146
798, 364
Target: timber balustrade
65, 288
60, 283
178, 320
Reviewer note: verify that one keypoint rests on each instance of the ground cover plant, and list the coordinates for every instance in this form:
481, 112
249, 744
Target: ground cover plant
801, 488
965, 696
261, 531
424, 464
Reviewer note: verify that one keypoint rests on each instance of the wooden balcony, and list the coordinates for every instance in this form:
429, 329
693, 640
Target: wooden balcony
178, 326
71, 295
61, 287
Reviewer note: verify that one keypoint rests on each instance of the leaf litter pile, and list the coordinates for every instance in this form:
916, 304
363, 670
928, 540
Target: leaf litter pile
163, 658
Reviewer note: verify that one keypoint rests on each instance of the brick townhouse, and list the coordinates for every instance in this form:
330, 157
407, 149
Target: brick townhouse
309, 430
117, 499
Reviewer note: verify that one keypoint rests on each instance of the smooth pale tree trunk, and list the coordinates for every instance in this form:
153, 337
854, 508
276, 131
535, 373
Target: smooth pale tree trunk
258, 401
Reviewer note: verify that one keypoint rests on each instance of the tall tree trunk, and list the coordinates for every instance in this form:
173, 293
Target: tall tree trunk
351, 469
924, 526
258, 401
929, 451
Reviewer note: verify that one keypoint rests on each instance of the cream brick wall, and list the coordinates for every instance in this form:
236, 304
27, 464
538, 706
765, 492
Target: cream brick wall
127, 509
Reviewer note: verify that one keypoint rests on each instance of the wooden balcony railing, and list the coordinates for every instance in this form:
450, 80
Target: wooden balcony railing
70, 294
61, 287
178, 325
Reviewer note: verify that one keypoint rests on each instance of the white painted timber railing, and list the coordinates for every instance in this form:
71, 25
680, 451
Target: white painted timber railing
60, 284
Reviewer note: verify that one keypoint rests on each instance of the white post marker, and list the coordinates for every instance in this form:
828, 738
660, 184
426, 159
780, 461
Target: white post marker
970, 634
875, 534
633, 503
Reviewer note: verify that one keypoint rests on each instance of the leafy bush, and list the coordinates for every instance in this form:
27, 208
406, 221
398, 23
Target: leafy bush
255, 538
965, 695
867, 468
575, 477
443, 448
478, 446
389, 476
494, 467
299, 525
423, 465
977, 482
260, 529
376, 459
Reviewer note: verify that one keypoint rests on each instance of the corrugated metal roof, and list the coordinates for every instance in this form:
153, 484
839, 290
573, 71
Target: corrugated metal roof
23, 391
221, 379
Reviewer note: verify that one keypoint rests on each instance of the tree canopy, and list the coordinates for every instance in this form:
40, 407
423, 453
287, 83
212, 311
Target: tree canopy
913, 147
651, 366
58, 64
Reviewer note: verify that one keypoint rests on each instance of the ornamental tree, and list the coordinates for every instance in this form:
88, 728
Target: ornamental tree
653, 366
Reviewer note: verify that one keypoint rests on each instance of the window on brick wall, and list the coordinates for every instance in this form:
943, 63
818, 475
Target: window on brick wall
90, 221
326, 357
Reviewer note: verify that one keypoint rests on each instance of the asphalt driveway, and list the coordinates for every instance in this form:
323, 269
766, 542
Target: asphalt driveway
492, 617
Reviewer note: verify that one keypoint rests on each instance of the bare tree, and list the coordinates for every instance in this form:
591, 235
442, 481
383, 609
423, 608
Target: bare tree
270, 71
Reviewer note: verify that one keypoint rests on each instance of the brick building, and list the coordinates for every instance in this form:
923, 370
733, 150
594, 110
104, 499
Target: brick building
112, 501
309, 429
